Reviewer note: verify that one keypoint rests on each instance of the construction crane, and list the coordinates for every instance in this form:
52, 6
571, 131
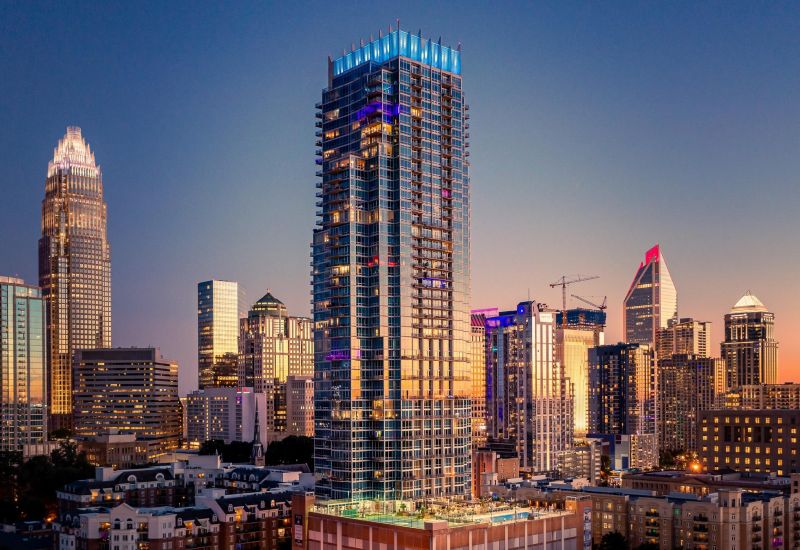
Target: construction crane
601, 307
564, 281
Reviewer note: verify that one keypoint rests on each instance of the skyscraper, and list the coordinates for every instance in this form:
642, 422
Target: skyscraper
582, 331
623, 394
272, 347
391, 274
23, 365
74, 266
651, 300
528, 399
217, 333
750, 350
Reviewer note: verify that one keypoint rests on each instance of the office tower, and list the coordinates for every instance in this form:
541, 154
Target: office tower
477, 360
582, 330
391, 274
300, 406
272, 347
528, 400
23, 365
750, 350
224, 413
74, 266
217, 333
128, 390
684, 337
688, 385
651, 300
623, 393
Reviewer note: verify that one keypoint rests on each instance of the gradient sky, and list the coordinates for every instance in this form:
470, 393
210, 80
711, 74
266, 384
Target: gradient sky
597, 129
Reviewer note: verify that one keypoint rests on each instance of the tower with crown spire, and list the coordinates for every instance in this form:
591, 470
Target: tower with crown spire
750, 349
74, 266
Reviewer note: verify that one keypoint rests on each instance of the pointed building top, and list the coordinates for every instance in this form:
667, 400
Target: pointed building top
72, 151
748, 304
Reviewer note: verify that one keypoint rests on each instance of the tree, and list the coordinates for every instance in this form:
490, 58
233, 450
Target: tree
29, 488
295, 449
235, 451
613, 541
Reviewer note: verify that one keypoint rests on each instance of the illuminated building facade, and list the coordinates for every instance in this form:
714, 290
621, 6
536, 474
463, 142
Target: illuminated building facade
761, 441
750, 349
74, 266
651, 300
217, 333
128, 390
272, 347
300, 406
227, 414
684, 337
688, 385
623, 395
390, 274
477, 359
762, 396
583, 330
528, 399
23, 365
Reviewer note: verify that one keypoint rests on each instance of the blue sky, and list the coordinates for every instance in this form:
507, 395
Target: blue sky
597, 129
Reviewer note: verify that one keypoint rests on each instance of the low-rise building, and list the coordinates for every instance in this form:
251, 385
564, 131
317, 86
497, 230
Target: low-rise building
395, 525
668, 482
583, 460
117, 450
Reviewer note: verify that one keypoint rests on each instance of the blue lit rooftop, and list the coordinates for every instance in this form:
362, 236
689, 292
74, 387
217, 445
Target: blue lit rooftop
400, 43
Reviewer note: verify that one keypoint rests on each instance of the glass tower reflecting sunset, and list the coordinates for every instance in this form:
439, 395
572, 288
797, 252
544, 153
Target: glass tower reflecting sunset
74, 265
391, 274
217, 333
651, 301
23, 360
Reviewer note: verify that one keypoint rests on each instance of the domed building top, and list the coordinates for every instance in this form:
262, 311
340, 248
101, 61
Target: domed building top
270, 305
748, 304
73, 151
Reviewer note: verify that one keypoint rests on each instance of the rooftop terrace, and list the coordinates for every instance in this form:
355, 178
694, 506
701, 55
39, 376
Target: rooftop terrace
416, 515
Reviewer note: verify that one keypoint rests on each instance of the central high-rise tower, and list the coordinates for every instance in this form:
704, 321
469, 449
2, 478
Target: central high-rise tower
74, 266
391, 274
651, 300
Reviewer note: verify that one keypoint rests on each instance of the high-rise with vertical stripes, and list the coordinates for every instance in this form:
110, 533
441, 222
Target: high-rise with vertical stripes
390, 274
74, 266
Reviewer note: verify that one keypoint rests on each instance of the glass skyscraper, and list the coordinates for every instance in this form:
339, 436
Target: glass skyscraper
582, 330
74, 266
217, 333
23, 360
528, 400
651, 300
391, 274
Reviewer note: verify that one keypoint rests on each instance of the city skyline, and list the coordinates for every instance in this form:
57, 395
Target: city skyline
156, 304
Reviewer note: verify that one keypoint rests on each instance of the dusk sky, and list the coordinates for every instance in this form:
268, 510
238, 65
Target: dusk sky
597, 130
